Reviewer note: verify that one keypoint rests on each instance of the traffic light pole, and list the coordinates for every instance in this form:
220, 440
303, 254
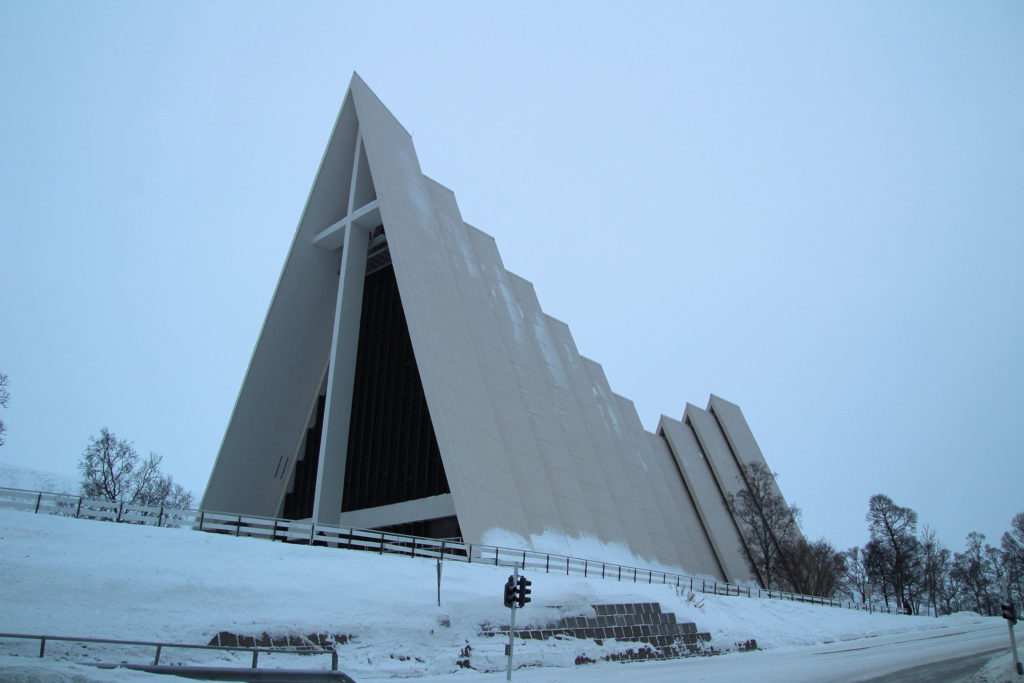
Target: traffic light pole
1013, 647
1013, 640
512, 627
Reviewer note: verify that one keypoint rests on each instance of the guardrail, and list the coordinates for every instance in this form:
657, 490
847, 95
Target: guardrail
160, 646
311, 533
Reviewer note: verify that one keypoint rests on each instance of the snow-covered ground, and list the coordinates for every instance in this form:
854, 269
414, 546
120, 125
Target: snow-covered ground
37, 480
63, 576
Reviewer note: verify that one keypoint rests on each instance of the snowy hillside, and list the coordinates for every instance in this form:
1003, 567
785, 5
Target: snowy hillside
73, 577
37, 480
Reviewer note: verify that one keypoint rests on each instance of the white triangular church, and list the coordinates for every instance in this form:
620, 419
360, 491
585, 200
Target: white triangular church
403, 379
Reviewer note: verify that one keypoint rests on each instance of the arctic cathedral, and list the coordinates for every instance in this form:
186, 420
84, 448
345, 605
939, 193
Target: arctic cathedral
405, 380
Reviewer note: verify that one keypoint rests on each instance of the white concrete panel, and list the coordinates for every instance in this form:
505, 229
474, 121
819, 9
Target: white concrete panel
288, 363
531, 404
698, 555
736, 431
716, 450
619, 461
588, 438
739, 437
657, 501
433, 507
562, 415
711, 507
528, 476
654, 498
341, 377
476, 465
545, 375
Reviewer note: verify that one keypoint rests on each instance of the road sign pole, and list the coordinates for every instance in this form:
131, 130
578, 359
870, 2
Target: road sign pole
438, 580
512, 627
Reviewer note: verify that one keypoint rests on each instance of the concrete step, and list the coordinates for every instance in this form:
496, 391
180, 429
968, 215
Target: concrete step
661, 636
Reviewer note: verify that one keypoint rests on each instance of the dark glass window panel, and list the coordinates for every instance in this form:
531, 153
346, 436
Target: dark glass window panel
392, 449
299, 503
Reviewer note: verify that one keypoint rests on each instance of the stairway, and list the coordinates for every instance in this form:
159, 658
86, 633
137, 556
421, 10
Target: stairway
642, 622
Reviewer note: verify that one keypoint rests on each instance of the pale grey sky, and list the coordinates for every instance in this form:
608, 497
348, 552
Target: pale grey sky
815, 210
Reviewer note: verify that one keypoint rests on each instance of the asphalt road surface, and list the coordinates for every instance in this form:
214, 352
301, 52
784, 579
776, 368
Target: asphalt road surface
942, 654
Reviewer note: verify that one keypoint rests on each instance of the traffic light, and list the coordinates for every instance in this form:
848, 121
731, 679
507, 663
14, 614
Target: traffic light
510, 592
1009, 612
524, 591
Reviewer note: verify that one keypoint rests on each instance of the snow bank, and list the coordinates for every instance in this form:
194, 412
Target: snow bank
23, 670
999, 669
582, 547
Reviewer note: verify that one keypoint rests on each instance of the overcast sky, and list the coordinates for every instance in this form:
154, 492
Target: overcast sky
814, 210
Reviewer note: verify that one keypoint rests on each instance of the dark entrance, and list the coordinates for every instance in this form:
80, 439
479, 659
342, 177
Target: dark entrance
393, 454
392, 450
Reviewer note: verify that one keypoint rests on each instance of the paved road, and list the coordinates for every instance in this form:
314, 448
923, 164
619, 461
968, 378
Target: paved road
957, 669
942, 654
948, 655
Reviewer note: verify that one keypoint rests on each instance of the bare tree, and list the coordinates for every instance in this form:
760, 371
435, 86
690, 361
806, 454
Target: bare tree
5, 396
936, 558
878, 564
152, 487
979, 574
1012, 544
955, 587
107, 465
814, 568
921, 570
893, 530
857, 584
111, 471
768, 524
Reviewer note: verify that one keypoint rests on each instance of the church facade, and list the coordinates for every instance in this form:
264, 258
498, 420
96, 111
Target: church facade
404, 379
